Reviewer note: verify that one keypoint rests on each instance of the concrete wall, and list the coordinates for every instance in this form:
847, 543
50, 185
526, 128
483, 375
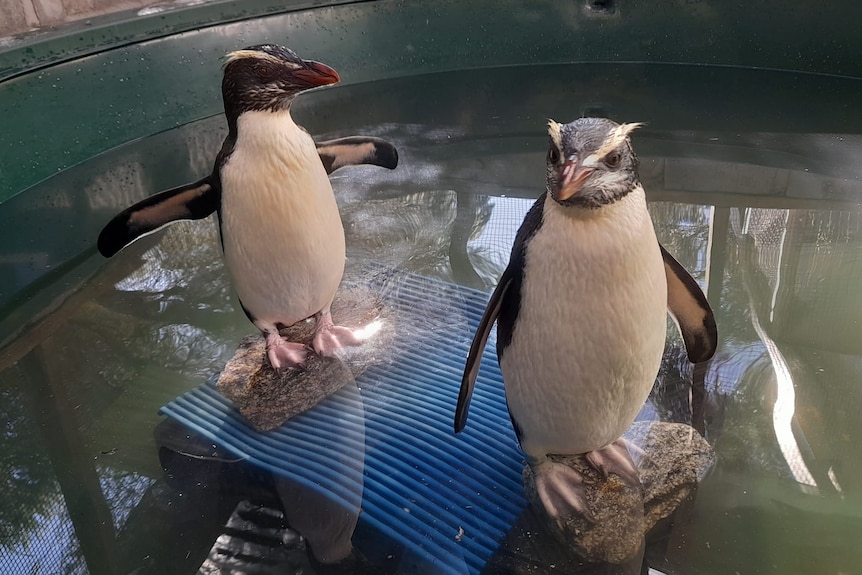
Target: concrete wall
17, 16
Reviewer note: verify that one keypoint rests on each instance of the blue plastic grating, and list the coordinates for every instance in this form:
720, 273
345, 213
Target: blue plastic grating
421, 484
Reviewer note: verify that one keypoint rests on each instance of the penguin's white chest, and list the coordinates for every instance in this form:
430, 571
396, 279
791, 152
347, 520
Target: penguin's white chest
590, 332
281, 230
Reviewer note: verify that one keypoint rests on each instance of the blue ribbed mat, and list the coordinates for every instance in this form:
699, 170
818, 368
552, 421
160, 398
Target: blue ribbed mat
422, 484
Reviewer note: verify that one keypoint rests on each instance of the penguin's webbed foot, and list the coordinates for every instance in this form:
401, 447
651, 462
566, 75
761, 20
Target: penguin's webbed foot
561, 489
329, 337
614, 458
282, 353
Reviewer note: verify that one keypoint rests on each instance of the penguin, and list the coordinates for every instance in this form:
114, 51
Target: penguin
581, 313
279, 225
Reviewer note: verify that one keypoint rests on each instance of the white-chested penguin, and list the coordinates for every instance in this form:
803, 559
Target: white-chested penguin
280, 227
581, 312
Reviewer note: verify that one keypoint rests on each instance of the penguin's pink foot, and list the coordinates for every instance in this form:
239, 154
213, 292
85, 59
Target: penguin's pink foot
614, 458
282, 353
560, 489
328, 337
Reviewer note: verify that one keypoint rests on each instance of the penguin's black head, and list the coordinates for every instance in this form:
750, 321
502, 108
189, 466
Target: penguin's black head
590, 162
268, 77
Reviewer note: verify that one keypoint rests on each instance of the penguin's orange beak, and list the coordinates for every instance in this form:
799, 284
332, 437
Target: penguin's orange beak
572, 178
316, 74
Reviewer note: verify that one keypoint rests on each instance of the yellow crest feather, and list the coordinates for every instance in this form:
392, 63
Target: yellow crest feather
554, 131
616, 137
240, 54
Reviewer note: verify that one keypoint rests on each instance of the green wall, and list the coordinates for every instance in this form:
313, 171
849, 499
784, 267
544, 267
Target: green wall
90, 87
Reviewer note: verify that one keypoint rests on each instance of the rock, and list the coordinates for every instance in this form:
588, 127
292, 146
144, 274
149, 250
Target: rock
672, 460
616, 532
267, 398
676, 458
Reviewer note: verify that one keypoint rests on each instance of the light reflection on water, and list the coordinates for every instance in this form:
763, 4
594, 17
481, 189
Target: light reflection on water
764, 221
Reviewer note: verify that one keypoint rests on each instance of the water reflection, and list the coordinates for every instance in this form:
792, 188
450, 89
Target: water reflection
285, 506
170, 319
776, 247
34, 514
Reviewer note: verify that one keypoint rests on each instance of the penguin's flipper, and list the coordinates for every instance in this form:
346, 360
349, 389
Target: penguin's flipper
355, 150
188, 202
688, 306
508, 293
471, 369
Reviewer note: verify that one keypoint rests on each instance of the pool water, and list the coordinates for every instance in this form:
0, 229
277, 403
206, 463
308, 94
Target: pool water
753, 181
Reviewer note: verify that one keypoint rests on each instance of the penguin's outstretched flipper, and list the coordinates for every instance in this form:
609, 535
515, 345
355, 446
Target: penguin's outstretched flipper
355, 150
187, 202
471, 369
198, 200
689, 308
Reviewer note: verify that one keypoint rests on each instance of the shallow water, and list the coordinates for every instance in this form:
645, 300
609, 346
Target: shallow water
751, 186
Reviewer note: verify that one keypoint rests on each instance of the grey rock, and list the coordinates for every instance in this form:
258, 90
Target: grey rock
671, 459
267, 398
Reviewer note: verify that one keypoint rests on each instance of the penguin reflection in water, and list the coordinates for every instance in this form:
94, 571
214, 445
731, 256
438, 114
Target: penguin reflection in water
279, 225
581, 313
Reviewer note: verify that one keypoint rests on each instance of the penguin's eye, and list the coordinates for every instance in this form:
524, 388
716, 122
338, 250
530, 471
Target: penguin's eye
266, 71
553, 155
613, 159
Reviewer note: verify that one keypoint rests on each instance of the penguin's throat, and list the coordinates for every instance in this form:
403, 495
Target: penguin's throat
614, 224
590, 209
270, 133
594, 198
257, 100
